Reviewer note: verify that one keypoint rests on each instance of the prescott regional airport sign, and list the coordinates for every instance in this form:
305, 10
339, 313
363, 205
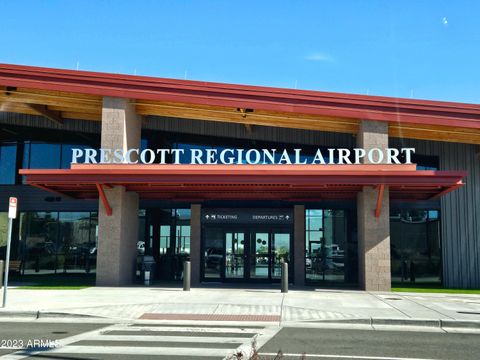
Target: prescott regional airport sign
242, 156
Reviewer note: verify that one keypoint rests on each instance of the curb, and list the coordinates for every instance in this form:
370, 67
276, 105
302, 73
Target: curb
45, 315
428, 323
440, 323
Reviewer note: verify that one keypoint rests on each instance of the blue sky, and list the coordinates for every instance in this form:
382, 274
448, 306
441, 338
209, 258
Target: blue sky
420, 49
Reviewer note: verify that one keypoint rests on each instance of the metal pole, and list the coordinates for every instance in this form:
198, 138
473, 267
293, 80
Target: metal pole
186, 276
7, 262
284, 277
146, 275
1, 271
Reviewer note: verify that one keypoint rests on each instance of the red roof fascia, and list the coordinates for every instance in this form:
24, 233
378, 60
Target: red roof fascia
243, 96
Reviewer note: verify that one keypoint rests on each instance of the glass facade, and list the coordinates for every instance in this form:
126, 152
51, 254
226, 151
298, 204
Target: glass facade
8, 163
66, 242
168, 241
52, 242
213, 242
235, 255
3, 234
328, 251
415, 246
42, 155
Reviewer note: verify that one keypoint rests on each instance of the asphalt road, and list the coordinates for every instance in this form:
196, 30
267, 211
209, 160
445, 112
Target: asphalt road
25, 333
380, 345
192, 341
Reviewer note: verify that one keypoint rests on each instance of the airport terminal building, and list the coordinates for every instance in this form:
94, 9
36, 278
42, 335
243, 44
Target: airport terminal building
352, 191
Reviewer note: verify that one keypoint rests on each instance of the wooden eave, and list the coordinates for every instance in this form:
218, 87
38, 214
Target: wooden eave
78, 95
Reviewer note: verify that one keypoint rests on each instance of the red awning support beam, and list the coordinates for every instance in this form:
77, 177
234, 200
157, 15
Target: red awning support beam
51, 190
104, 199
378, 208
447, 190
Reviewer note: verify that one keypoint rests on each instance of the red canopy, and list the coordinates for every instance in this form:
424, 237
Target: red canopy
244, 182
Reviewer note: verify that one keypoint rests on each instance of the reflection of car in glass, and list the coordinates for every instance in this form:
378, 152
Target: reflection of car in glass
141, 247
414, 217
82, 249
46, 247
262, 260
337, 257
337, 252
213, 257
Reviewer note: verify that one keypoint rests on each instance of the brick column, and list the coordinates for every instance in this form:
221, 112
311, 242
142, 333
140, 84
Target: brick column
299, 245
195, 241
118, 233
373, 233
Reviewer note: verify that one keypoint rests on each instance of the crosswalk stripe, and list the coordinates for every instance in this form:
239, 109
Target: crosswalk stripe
166, 340
139, 350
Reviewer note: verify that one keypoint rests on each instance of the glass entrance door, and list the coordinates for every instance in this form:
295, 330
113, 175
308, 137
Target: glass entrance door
239, 255
259, 255
235, 255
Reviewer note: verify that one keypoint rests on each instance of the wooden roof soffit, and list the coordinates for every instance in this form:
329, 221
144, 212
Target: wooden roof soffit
43, 110
38, 109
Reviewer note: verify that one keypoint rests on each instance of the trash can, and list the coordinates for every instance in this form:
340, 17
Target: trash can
147, 266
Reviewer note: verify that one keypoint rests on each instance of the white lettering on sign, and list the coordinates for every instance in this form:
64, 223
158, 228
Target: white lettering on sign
243, 156
12, 208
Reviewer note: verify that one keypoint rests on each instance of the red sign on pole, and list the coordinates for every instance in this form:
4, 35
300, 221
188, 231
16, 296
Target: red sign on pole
12, 208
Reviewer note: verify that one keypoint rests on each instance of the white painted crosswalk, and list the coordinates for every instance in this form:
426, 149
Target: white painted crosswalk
158, 340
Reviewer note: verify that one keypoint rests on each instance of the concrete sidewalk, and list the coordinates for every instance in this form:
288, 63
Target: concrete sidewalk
131, 303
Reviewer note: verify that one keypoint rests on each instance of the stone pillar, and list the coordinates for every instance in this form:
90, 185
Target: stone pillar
373, 232
299, 245
195, 242
118, 233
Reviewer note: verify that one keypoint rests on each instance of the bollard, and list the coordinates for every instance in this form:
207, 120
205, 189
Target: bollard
2, 269
147, 277
186, 276
285, 277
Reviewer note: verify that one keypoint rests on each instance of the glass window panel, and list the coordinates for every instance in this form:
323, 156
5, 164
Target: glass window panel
93, 240
8, 161
415, 246
183, 214
26, 159
280, 253
183, 239
315, 235
314, 219
326, 250
26, 155
164, 238
74, 246
213, 256
143, 144
3, 234
39, 231
234, 260
44, 156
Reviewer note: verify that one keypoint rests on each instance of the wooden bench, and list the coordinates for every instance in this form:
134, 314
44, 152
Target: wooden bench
15, 266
